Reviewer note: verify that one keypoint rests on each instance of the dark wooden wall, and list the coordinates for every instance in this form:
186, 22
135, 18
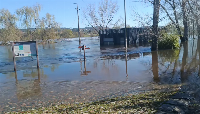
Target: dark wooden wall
134, 35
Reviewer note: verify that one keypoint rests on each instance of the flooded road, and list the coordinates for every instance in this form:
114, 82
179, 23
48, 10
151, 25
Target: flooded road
64, 77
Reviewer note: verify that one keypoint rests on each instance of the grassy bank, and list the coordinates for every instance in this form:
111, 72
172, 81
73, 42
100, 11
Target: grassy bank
141, 103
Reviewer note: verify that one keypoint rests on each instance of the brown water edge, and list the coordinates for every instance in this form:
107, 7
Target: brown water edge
143, 102
76, 92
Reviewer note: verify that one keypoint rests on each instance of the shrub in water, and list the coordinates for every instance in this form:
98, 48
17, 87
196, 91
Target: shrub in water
168, 41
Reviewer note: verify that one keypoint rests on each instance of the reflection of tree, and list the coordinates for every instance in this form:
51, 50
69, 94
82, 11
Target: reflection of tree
185, 55
198, 48
106, 65
95, 63
28, 88
169, 56
192, 64
54, 66
188, 64
155, 66
52, 46
123, 57
33, 73
10, 54
175, 66
109, 61
30, 73
50, 50
9, 75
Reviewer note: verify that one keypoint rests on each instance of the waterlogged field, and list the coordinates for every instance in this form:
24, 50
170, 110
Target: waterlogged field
108, 72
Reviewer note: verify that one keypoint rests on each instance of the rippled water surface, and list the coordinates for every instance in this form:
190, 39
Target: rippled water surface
64, 77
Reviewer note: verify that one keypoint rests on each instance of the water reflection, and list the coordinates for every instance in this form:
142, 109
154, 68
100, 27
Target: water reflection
155, 66
85, 72
113, 65
178, 65
174, 63
28, 88
198, 47
184, 63
126, 65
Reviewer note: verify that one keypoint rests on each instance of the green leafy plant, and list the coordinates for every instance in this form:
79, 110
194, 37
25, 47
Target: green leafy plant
168, 41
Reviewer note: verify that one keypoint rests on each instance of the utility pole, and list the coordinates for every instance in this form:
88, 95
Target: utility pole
125, 36
125, 23
78, 24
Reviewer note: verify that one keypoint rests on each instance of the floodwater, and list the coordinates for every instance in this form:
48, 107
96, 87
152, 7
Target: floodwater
109, 71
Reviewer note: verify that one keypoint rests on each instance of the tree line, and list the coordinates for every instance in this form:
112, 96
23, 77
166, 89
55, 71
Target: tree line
28, 17
181, 13
182, 17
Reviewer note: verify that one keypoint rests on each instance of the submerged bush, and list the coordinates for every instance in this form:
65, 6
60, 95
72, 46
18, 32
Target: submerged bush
168, 41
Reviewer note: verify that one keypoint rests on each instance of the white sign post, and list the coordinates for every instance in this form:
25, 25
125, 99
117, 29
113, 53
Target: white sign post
25, 49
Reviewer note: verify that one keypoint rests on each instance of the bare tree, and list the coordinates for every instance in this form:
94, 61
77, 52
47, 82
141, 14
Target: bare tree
177, 12
195, 11
101, 17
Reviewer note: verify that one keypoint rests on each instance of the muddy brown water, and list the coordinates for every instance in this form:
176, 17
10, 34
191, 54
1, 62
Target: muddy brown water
108, 71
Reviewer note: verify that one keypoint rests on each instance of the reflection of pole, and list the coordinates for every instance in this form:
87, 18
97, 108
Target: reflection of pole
37, 55
80, 48
38, 74
81, 65
16, 77
85, 67
126, 65
84, 60
84, 52
13, 56
84, 72
125, 21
